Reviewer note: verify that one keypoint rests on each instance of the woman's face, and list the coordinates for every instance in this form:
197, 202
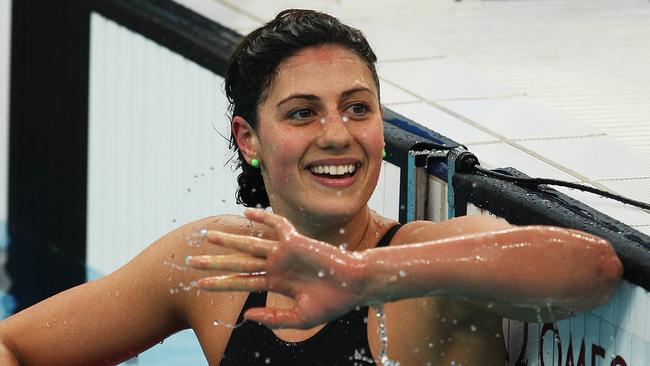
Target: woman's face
321, 134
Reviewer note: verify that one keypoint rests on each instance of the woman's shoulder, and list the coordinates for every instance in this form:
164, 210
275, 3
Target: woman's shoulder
424, 230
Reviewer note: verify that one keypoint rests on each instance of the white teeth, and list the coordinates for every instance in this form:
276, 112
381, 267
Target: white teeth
333, 169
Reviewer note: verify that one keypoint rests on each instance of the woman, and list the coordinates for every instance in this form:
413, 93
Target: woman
307, 123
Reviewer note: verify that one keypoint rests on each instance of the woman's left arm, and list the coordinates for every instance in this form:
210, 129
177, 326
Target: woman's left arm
533, 273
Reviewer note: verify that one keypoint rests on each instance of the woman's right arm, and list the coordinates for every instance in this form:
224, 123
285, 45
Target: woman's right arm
108, 320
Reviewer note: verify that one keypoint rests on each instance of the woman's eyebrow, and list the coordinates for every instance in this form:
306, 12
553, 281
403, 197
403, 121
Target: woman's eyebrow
349, 92
309, 97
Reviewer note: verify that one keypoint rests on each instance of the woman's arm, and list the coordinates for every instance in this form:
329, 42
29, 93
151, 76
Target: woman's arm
108, 320
532, 273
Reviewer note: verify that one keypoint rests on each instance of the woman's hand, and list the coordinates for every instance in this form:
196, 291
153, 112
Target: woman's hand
323, 280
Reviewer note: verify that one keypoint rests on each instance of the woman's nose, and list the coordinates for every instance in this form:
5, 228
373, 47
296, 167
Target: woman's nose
334, 132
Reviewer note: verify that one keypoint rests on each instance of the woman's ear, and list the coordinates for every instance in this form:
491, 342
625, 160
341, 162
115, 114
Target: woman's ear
246, 138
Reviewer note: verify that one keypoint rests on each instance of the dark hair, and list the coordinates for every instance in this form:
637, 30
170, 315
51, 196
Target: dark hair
252, 69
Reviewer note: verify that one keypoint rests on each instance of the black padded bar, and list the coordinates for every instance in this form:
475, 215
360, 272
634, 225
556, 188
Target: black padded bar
173, 26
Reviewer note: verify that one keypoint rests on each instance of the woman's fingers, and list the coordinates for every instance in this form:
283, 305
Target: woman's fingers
277, 318
238, 282
229, 262
243, 243
281, 225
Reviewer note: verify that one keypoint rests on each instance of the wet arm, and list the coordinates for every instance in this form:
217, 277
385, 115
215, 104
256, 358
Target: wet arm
534, 273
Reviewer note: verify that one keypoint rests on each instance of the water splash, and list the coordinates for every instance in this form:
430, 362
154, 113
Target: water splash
383, 338
218, 323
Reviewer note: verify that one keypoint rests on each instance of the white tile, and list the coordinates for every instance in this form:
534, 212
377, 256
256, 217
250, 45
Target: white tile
392, 44
592, 332
500, 155
639, 316
518, 118
623, 306
626, 214
596, 158
442, 123
607, 340
441, 78
577, 334
644, 229
636, 189
605, 312
390, 94
622, 345
639, 353
220, 13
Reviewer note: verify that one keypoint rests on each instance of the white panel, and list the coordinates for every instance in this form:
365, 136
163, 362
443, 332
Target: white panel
385, 198
391, 94
596, 158
629, 215
501, 155
441, 78
437, 207
5, 46
608, 327
518, 118
442, 123
156, 158
222, 14
636, 189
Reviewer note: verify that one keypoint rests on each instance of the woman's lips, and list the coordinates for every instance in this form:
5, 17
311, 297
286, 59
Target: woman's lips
335, 181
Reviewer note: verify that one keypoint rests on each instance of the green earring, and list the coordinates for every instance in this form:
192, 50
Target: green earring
255, 163
383, 153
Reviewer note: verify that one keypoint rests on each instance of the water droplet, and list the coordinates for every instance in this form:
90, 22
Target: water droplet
430, 345
332, 271
257, 354
322, 120
267, 360
343, 284
321, 273
472, 328
402, 273
345, 118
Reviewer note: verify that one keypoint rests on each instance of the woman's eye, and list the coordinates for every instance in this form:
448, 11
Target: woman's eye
357, 109
302, 114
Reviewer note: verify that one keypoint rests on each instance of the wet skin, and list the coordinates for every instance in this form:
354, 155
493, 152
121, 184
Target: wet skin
120, 315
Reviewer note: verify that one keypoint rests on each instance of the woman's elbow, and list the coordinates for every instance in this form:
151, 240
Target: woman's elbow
609, 271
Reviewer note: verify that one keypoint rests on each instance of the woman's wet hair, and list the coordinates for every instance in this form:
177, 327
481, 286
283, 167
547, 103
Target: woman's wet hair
253, 67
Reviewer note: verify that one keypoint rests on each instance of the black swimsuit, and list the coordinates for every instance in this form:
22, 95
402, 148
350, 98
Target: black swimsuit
343, 341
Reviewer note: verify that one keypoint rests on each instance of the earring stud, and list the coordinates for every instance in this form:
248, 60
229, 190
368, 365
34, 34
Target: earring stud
255, 163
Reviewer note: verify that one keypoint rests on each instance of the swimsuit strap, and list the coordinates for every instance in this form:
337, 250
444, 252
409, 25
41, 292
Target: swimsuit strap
385, 240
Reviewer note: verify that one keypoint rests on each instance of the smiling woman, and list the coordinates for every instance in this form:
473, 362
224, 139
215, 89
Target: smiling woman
307, 123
